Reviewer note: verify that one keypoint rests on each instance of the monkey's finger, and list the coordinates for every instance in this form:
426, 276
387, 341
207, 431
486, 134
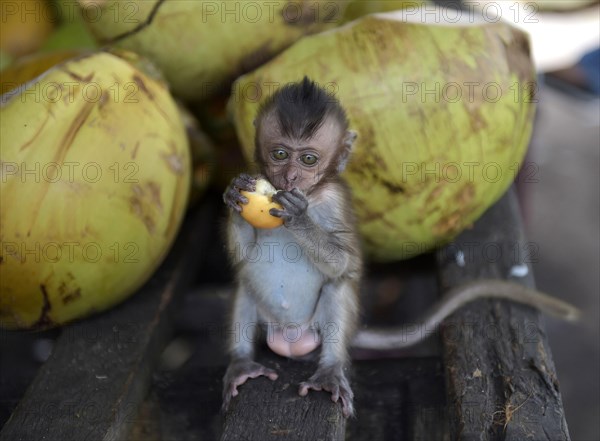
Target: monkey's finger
296, 198
280, 197
235, 207
288, 201
335, 394
244, 185
303, 390
279, 213
347, 407
270, 374
225, 404
245, 182
298, 194
229, 392
305, 386
246, 177
235, 196
266, 372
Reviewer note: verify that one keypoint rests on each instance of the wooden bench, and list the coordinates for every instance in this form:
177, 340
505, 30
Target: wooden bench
486, 374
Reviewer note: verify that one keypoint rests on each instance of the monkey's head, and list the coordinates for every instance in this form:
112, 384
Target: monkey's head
302, 136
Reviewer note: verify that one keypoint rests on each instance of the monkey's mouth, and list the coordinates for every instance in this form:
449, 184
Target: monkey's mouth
284, 186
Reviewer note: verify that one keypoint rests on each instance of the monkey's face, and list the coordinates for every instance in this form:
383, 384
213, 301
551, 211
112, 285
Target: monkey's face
298, 163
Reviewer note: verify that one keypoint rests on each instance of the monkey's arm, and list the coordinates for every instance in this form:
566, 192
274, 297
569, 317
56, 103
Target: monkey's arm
244, 322
239, 232
397, 338
329, 240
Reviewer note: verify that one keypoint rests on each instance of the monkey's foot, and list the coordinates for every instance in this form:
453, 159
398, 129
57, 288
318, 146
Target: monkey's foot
237, 373
332, 380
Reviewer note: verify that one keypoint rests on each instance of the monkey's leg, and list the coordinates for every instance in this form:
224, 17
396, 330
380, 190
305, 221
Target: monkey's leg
335, 317
241, 347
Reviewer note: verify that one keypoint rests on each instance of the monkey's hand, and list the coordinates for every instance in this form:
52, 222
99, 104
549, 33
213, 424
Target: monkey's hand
232, 196
294, 205
238, 372
331, 379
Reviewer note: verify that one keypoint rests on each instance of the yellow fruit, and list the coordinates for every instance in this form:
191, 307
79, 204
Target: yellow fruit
443, 115
202, 46
95, 175
256, 211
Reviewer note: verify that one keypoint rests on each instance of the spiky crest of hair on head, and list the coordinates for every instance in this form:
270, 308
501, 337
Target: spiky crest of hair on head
302, 108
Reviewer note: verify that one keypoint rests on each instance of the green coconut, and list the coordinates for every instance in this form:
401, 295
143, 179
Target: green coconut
443, 114
202, 46
95, 168
360, 8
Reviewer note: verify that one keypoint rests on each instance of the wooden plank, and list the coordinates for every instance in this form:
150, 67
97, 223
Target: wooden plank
501, 379
271, 410
410, 399
400, 399
264, 410
98, 374
190, 402
189, 397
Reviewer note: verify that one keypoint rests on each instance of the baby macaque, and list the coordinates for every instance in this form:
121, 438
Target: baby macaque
309, 269
305, 274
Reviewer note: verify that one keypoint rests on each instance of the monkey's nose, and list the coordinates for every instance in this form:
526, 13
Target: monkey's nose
291, 174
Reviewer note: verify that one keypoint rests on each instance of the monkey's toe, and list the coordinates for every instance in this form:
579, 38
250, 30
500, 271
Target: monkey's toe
238, 373
338, 387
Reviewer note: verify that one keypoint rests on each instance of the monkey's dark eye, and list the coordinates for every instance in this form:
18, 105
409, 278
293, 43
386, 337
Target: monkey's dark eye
309, 159
279, 154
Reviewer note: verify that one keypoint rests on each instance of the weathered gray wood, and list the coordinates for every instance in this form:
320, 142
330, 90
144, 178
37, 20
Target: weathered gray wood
400, 400
272, 410
99, 372
190, 402
501, 379
190, 397
395, 399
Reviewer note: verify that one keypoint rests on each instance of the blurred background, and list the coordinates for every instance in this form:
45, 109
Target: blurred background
561, 205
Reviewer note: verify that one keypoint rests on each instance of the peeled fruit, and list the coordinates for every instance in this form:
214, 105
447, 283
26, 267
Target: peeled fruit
95, 175
256, 211
202, 46
443, 114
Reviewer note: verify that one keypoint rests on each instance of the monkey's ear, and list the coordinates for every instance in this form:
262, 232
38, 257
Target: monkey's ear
349, 138
347, 145
254, 122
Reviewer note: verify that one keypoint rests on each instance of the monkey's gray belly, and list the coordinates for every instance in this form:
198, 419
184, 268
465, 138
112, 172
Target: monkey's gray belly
281, 277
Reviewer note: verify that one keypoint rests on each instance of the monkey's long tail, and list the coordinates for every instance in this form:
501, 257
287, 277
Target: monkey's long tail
404, 336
